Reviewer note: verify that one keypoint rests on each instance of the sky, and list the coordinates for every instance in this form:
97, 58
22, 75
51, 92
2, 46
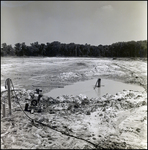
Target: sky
79, 22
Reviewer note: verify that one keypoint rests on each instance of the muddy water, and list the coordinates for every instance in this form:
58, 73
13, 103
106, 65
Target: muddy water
87, 88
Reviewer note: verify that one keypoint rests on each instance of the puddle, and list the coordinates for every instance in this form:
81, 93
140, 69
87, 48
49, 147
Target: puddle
87, 88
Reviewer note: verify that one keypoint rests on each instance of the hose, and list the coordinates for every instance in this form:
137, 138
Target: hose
47, 125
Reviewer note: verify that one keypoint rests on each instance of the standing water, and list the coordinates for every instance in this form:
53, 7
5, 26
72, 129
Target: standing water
87, 88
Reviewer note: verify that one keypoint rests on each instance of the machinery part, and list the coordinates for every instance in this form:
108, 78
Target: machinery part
40, 95
26, 106
98, 83
39, 110
34, 102
32, 111
38, 90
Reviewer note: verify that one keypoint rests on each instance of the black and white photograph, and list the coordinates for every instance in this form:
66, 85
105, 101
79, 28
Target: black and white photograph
73, 74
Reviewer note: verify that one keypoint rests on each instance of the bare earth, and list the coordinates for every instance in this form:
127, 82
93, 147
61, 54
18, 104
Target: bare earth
76, 122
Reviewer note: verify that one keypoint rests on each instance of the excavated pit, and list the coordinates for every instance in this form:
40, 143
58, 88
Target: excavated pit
110, 120
88, 88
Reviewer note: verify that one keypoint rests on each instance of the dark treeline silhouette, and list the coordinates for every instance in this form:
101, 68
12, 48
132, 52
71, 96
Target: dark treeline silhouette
119, 49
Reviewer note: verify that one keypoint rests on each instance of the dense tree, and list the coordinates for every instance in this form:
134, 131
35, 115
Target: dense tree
24, 49
18, 49
42, 49
7, 50
118, 49
34, 48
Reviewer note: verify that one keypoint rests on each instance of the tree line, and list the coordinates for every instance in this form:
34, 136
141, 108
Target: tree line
55, 49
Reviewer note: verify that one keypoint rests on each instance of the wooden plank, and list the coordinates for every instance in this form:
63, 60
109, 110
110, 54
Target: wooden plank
9, 97
4, 113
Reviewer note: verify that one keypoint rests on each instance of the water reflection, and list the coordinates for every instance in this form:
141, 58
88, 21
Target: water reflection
98, 91
87, 88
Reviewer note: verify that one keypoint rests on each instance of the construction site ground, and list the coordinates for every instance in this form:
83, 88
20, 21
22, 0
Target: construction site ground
74, 122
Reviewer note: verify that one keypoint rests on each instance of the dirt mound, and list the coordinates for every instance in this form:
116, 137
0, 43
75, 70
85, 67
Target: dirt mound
112, 121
